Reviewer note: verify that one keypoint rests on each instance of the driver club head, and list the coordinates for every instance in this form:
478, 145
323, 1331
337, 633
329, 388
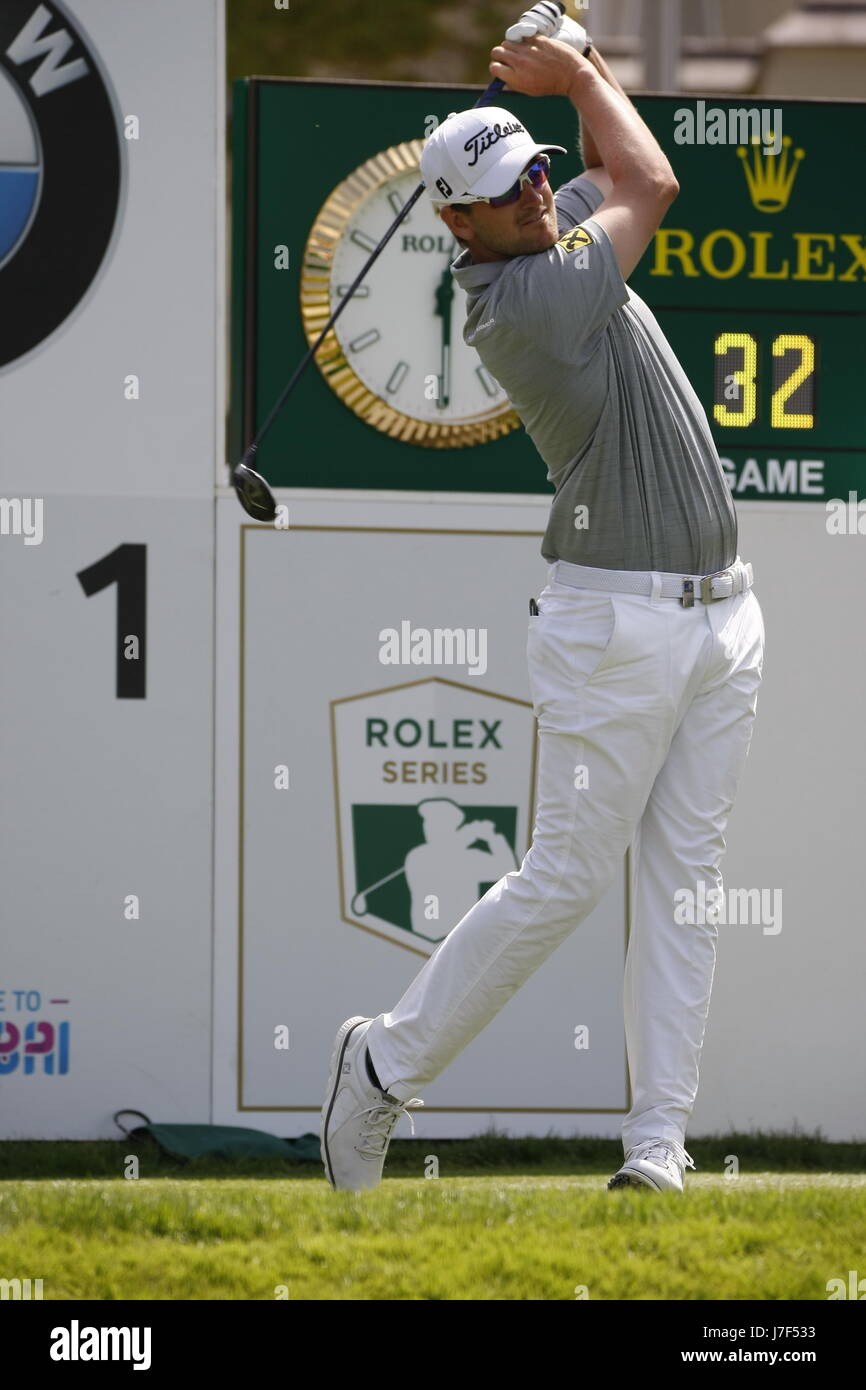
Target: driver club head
252, 491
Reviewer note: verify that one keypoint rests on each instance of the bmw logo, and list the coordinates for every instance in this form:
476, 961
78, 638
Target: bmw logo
61, 172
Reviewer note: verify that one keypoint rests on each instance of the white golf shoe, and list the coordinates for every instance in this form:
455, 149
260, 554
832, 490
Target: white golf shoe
357, 1117
657, 1163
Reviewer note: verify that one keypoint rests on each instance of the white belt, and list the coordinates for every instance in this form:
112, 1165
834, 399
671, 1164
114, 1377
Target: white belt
708, 588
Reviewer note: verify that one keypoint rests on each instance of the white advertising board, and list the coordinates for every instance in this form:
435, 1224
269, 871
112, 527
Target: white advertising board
305, 938
112, 211
328, 755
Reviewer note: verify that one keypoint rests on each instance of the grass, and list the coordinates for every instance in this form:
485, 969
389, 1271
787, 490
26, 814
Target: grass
505, 1220
767, 1236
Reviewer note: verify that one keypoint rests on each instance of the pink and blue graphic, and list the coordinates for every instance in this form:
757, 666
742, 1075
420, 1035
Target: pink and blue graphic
20, 169
28, 1045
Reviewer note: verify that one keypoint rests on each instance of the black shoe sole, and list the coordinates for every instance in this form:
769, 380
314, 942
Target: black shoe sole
338, 1071
627, 1180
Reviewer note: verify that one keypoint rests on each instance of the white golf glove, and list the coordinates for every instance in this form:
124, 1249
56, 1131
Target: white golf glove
545, 19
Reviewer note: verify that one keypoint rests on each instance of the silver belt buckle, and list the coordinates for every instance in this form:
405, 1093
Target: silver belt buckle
707, 595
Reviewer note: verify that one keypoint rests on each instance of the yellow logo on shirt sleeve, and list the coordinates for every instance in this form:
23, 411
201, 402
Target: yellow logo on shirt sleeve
574, 239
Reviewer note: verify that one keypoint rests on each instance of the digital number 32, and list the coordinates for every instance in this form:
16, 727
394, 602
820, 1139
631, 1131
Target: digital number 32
744, 381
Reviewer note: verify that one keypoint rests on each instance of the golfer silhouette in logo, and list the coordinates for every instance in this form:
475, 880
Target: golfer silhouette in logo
445, 873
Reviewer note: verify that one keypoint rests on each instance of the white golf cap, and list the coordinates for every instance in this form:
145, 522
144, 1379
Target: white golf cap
477, 154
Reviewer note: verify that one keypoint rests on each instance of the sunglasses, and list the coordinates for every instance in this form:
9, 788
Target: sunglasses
536, 174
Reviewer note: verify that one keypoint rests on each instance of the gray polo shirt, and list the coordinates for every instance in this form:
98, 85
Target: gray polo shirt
639, 485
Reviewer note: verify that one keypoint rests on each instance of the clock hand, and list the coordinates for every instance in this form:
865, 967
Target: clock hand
444, 300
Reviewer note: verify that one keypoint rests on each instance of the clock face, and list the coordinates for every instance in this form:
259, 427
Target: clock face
396, 354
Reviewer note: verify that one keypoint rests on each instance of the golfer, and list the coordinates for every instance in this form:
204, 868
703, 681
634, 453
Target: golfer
646, 650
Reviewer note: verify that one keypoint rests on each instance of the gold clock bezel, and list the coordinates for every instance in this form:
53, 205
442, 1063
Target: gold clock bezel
328, 227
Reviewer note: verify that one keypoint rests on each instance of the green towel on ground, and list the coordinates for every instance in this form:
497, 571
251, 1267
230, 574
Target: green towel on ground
223, 1141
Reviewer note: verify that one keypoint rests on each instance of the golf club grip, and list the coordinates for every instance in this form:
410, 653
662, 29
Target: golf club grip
487, 98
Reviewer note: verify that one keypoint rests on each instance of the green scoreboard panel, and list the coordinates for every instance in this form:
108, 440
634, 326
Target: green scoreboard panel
757, 277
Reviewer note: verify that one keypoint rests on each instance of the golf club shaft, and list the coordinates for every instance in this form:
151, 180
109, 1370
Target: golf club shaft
364, 894
486, 99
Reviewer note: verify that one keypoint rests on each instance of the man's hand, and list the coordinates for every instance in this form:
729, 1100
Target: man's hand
537, 67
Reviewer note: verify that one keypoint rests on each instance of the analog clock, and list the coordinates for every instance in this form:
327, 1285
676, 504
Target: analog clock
396, 355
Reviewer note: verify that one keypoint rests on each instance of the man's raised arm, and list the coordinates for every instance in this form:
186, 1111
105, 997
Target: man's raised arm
643, 184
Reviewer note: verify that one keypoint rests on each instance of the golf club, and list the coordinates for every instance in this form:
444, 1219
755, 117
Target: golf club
253, 491
358, 905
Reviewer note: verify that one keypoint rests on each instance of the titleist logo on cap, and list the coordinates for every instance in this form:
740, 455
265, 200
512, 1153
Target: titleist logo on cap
488, 136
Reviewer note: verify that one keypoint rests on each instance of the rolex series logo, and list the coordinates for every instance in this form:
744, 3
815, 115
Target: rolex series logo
770, 177
433, 782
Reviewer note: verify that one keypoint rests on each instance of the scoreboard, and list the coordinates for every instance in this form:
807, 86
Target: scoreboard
757, 277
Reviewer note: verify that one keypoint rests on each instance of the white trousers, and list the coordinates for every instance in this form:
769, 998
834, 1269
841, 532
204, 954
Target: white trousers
656, 702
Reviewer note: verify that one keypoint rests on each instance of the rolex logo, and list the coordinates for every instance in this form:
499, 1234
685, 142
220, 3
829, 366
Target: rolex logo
770, 176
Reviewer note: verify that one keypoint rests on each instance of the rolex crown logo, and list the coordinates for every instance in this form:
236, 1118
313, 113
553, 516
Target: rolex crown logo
770, 176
